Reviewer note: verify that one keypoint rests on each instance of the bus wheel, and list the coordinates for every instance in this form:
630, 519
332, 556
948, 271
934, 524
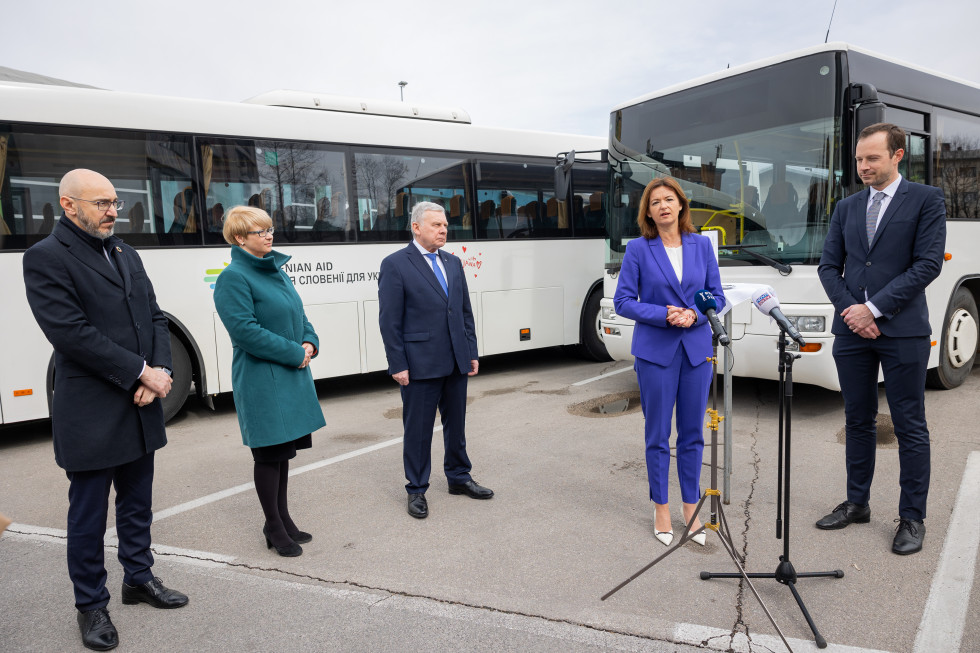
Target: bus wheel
959, 343
592, 347
182, 373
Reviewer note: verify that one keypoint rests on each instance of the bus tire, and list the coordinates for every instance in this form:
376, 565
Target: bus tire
958, 346
182, 375
591, 346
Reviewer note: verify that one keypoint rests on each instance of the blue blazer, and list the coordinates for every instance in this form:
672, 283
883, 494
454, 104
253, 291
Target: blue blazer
104, 325
904, 257
647, 283
424, 331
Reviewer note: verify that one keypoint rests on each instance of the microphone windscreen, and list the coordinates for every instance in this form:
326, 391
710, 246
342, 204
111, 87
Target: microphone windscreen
765, 299
705, 301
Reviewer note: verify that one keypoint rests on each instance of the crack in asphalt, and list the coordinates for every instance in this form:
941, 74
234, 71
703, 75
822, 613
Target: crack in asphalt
740, 625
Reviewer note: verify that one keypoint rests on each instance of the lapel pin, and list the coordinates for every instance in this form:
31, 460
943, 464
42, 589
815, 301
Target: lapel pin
119, 249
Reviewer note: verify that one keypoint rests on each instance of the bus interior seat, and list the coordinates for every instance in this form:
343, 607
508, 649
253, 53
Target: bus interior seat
595, 216
185, 220
455, 215
400, 221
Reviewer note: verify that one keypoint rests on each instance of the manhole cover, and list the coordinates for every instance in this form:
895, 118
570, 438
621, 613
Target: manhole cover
885, 432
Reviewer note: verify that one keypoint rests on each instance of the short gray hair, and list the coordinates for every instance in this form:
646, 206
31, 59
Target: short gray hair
422, 208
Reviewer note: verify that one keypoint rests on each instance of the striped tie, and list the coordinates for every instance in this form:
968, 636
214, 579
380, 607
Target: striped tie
872, 221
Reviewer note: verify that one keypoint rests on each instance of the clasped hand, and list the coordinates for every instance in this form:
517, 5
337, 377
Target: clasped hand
680, 317
153, 383
861, 321
310, 350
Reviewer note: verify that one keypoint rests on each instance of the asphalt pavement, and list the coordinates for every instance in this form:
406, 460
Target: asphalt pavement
524, 571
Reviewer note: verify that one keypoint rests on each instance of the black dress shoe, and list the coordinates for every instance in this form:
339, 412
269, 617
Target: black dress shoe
300, 537
291, 550
844, 514
98, 633
154, 593
418, 507
908, 536
472, 489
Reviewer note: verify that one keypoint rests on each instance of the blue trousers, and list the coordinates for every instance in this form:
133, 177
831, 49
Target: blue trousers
88, 507
420, 398
903, 362
661, 388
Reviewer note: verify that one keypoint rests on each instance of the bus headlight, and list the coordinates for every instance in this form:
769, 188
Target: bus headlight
608, 313
808, 323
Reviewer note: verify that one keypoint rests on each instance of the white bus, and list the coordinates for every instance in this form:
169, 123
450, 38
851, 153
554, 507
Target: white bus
765, 151
339, 177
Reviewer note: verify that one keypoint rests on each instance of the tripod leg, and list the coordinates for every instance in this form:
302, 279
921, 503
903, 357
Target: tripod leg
817, 637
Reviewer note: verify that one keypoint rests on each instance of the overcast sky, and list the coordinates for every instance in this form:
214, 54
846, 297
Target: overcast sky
556, 65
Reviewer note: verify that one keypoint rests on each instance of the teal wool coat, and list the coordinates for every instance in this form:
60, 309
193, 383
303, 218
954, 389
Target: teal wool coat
275, 400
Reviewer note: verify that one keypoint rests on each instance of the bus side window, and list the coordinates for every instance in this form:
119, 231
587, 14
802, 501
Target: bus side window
147, 169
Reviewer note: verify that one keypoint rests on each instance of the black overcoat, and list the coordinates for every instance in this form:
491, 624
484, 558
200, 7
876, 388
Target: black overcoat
103, 325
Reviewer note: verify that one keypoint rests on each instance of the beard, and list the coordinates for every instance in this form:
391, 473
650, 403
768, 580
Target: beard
91, 227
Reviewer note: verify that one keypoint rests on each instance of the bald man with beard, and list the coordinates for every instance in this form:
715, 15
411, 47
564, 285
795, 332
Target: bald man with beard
92, 299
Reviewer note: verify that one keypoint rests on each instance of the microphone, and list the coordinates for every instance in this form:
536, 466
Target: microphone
765, 300
706, 303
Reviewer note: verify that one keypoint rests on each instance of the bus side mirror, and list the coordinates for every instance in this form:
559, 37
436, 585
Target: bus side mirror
866, 110
563, 174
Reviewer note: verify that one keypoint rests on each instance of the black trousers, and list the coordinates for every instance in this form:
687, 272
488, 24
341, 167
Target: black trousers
420, 398
903, 362
88, 508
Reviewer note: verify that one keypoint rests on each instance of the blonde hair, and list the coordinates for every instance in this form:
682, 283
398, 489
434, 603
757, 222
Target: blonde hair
239, 220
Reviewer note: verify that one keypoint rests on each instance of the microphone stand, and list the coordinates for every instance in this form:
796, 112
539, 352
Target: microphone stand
718, 523
785, 572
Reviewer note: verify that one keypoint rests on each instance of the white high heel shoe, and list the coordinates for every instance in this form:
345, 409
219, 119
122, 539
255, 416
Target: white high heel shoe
700, 538
664, 536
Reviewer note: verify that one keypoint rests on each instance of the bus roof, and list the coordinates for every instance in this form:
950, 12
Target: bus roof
86, 107
771, 61
328, 102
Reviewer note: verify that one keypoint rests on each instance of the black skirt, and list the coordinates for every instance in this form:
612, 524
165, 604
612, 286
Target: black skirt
277, 453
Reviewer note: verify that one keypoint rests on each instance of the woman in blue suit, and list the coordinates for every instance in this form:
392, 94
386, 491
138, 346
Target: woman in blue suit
661, 274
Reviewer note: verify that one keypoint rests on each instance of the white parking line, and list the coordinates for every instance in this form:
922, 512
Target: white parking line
603, 376
238, 489
721, 640
941, 628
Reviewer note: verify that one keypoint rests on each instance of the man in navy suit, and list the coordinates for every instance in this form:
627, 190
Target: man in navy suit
91, 297
884, 246
430, 341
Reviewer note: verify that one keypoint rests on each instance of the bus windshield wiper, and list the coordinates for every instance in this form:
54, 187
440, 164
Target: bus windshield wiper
784, 268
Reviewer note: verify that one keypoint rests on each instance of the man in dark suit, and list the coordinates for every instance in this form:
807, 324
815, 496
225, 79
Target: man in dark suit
884, 246
430, 341
90, 295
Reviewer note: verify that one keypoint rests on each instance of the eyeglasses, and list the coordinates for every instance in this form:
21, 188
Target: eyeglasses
262, 233
102, 205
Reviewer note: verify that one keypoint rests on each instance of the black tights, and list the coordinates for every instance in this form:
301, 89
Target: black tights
270, 484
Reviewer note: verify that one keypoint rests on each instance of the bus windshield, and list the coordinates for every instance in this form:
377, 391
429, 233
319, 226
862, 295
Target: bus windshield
758, 155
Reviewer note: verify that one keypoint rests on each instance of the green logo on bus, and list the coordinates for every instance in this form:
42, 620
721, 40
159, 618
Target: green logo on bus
212, 275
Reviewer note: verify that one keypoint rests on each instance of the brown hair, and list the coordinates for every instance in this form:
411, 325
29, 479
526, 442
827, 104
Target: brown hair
895, 135
648, 228
240, 219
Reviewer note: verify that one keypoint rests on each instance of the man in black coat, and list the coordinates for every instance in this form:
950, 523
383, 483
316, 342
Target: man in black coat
90, 295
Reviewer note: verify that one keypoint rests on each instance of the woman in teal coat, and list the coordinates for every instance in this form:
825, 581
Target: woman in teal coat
276, 401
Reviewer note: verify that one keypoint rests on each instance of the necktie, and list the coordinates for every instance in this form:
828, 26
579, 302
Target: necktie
108, 255
872, 221
435, 268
